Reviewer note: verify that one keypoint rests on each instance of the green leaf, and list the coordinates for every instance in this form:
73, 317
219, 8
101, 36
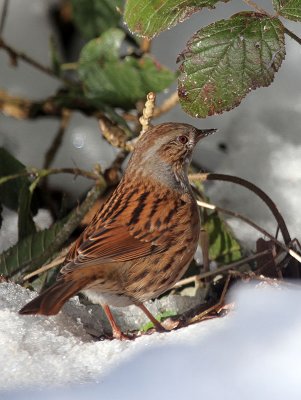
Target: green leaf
224, 248
34, 250
102, 49
9, 191
26, 225
150, 17
226, 60
55, 57
110, 81
30, 250
93, 17
15, 194
290, 9
160, 317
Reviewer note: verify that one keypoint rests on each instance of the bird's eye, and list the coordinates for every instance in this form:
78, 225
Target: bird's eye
183, 139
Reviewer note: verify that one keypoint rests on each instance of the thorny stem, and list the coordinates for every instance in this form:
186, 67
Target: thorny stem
15, 55
3, 16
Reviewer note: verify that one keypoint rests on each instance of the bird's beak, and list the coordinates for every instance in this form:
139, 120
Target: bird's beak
201, 133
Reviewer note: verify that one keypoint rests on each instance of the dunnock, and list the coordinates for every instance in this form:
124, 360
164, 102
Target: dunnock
141, 242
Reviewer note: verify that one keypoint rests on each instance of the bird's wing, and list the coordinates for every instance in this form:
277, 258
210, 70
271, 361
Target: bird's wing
137, 226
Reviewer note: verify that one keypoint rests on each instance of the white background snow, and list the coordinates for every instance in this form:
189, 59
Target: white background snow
254, 352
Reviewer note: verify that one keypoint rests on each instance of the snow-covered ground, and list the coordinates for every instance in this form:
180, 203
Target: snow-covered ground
253, 353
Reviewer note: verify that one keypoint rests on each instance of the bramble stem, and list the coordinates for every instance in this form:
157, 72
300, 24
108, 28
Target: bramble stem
16, 55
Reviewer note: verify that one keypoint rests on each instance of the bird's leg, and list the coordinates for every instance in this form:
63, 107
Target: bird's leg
157, 325
117, 333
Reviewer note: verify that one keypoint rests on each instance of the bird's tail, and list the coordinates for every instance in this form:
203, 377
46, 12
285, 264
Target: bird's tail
52, 299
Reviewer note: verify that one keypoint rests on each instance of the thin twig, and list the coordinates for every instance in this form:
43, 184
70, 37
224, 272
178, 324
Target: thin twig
252, 4
3, 16
167, 105
51, 152
251, 223
200, 316
42, 173
256, 190
54, 106
57, 261
292, 35
16, 55
222, 269
145, 45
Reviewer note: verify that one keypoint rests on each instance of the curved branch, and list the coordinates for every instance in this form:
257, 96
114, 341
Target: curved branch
255, 189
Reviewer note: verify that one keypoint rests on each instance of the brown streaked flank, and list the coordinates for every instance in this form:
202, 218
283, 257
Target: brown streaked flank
141, 242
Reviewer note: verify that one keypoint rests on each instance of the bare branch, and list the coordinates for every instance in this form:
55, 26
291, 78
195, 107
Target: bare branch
3, 16
51, 152
16, 55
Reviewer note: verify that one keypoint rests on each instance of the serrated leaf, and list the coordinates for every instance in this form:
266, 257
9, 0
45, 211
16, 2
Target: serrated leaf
226, 60
290, 9
93, 17
28, 251
150, 17
113, 82
34, 250
224, 248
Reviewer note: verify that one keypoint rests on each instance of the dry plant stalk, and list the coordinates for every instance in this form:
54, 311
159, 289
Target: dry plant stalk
148, 112
167, 105
114, 134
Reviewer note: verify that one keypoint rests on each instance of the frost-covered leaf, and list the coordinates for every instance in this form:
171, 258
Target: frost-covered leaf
93, 17
290, 9
150, 17
226, 60
224, 248
111, 81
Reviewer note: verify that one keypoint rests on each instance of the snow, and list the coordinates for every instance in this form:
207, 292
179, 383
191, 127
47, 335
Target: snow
253, 352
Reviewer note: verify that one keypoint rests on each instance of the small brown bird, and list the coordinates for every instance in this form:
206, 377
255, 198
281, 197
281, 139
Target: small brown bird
141, 242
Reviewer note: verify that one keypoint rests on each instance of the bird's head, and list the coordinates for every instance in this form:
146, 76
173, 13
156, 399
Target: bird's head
166, 148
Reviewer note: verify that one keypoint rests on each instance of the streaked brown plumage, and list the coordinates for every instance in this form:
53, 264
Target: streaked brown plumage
142, 240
